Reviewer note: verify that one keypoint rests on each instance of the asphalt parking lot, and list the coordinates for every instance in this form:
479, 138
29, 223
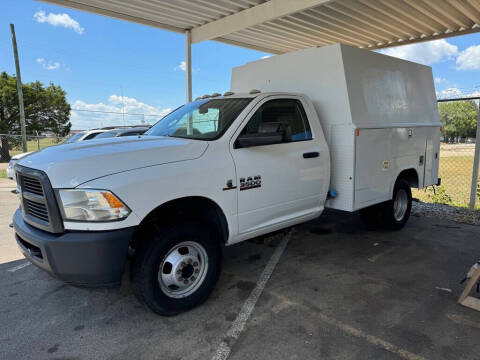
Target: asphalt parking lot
338, 291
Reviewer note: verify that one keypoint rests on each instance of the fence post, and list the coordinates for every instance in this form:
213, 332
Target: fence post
473, 190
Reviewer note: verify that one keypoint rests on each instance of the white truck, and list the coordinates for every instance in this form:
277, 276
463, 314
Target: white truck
334, 127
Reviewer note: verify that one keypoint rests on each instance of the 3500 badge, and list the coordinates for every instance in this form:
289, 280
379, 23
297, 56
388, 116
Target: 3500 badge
250, 182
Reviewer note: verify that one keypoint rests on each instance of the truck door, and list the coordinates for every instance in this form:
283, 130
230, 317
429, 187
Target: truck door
282, 181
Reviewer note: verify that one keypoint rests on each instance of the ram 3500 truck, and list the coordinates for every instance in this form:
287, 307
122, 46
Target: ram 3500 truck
334, 127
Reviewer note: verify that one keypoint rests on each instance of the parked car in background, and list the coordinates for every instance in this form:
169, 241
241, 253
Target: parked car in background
123, 132
12, 162
85, 135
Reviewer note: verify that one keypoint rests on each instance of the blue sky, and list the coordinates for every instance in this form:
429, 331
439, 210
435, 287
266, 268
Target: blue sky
97, 60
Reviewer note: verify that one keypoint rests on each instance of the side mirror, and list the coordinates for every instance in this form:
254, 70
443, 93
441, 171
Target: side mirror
268, 134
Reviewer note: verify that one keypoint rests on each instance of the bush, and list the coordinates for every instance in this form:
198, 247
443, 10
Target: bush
438, 195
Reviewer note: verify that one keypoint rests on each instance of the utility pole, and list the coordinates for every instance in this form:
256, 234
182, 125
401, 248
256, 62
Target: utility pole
19, 90
123, 105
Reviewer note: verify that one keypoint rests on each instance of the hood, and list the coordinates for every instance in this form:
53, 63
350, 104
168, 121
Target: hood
19, 156
70, 165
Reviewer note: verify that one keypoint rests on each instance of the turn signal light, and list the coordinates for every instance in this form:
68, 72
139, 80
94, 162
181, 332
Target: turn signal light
112, 200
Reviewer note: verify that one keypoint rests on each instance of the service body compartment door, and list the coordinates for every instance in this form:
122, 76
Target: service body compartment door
432, 157
373, 166
381, 155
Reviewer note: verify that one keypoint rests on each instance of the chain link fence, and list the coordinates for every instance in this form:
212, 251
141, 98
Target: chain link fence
457, 154
455, 170
11, 144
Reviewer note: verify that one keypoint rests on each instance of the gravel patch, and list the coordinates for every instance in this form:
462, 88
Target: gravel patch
453, 213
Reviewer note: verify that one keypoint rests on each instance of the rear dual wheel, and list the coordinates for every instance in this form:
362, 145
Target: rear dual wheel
394, 213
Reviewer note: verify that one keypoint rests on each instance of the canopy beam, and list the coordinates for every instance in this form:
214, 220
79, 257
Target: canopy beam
250, 17
188, 64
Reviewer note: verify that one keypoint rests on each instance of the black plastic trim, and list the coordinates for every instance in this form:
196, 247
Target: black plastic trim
312, 154
83, 258
55, 224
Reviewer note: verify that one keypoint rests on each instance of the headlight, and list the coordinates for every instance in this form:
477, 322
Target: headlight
11, 163
91, 205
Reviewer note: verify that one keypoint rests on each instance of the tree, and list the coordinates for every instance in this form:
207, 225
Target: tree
46, 110
459, 119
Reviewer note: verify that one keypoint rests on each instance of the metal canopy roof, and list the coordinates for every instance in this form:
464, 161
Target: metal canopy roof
279, 26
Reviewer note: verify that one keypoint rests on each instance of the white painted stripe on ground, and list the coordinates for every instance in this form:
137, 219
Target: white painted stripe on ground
18, 267
225, 347
378, 256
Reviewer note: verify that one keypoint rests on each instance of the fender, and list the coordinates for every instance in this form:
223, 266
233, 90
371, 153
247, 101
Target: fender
410, 180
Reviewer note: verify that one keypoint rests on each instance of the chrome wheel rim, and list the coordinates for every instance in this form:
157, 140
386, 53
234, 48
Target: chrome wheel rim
183, 269
400, 205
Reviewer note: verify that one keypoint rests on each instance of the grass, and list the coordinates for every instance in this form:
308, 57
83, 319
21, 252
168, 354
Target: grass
456, 175
3, 174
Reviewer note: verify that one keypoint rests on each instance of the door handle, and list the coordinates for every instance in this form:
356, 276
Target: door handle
312, 154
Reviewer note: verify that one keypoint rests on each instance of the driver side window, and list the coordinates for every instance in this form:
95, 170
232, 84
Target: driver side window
287, 111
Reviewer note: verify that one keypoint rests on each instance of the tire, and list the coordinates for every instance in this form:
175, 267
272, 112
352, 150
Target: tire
171, 255
396, 212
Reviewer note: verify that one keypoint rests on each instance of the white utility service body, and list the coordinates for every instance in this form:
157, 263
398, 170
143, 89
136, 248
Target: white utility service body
223, 169
379, 115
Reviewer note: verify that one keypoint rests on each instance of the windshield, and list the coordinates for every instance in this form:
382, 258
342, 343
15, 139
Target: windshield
74, 138
106, 134
205, 119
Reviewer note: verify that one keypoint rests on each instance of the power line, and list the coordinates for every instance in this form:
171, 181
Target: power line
115, 112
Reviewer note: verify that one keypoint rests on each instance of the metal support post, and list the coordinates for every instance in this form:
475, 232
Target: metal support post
188, 73
188, 64
473, 190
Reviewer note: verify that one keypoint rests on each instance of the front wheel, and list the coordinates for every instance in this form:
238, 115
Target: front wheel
397, 211
176, 268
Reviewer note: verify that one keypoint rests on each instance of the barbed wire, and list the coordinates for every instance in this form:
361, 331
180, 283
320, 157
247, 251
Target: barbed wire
455, 93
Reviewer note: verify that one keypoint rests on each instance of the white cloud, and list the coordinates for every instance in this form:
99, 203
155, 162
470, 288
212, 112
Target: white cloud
136, 112
426, 53
469, 59
452, 92
266, 57
440, 80
182, 66
48, 65
62, 20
